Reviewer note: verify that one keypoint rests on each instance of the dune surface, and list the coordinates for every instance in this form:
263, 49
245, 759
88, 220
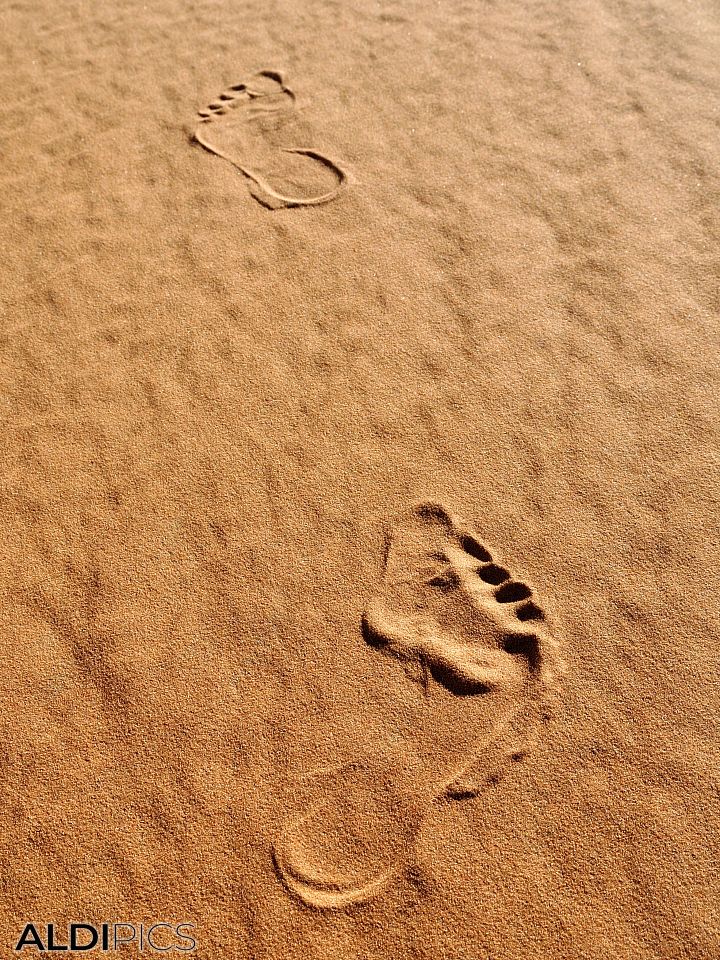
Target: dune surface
360, 474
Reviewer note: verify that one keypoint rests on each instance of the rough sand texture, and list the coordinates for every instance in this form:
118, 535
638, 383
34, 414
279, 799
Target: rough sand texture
214, 413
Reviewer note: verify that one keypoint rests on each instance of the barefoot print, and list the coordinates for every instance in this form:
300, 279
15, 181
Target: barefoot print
468, 632
249, 124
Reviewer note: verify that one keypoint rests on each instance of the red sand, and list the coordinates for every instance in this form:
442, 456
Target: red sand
214, 412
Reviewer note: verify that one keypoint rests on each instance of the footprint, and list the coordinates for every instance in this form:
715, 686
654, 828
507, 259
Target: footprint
246, 125
478, 643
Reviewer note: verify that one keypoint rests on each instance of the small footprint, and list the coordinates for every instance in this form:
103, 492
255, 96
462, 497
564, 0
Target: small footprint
246, 126
465, 630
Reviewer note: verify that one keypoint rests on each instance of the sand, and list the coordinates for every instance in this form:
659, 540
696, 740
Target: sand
360, 557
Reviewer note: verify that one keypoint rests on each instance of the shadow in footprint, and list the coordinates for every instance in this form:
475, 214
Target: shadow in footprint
246, 126
455, 618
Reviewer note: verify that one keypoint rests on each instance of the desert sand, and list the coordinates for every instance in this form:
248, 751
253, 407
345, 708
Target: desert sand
360, 475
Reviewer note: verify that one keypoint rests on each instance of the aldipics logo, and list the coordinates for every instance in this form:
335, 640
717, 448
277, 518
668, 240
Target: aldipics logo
160, 937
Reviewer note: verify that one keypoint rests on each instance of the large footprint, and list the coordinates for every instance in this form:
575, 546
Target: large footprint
472, 636
245, 126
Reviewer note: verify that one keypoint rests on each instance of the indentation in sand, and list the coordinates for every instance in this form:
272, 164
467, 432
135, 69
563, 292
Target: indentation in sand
456, 618
246, 126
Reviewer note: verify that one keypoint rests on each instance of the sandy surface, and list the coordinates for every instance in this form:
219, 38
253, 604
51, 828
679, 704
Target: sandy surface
251, 678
